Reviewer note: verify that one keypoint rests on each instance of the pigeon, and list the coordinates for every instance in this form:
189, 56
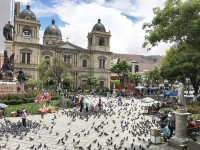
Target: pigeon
40, 145
94, 141
32, 147
17, 147
58, 142
31, 139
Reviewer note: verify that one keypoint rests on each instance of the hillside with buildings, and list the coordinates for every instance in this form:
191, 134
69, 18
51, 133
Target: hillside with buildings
144, 62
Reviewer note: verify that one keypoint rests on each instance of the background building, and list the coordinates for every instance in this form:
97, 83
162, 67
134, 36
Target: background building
80, 62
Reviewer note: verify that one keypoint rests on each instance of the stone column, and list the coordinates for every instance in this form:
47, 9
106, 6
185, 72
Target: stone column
181, 125
180, 139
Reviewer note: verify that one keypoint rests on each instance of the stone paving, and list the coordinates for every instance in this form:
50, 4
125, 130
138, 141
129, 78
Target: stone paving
119, 127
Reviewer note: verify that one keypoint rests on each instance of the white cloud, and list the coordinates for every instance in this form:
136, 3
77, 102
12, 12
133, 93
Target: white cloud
127, 36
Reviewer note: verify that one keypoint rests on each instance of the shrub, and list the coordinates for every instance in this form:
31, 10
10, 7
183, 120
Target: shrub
55, 97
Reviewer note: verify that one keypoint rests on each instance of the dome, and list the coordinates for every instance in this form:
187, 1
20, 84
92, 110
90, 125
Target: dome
52, 30
27, 14
99, 27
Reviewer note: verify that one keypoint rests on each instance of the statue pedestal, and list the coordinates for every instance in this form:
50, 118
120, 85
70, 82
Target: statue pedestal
8, 87
180, 139
9, 46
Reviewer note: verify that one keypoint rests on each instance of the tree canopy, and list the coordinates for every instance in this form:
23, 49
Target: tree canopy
121, 68
177, 22
181, 63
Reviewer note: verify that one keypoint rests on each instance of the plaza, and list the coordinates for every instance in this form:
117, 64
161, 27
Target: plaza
115, 127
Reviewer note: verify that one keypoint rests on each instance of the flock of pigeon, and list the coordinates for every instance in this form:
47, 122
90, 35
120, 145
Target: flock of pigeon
113, 128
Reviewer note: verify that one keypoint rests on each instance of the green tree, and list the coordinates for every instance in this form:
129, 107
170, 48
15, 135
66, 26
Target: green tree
68, 80
91, 81
177, 22
181, 63
57, 70
32, 83
154, 75
43, 69
114, 82
121, 68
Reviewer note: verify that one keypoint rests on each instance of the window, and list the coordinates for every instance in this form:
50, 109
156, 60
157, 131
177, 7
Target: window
26, 31
66, 58
23, 57
47, 58
102, 63
26, 58
101, 41
84, 63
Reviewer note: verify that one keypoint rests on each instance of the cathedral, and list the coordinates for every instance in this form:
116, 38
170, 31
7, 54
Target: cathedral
93, 61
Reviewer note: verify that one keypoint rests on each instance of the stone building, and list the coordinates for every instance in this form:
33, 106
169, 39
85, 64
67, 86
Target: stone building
81, 62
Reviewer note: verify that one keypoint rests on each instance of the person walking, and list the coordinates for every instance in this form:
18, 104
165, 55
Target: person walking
24, 115
87, 106
81, 104
120, 101
100, 104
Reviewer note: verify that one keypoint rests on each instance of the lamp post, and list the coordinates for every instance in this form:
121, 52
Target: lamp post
188, 88
136, 80
61, 102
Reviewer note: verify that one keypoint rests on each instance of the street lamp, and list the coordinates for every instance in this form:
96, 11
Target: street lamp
61, 102
188, 88
136, 80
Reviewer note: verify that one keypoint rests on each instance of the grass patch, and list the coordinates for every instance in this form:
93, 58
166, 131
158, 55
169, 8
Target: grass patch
32, 108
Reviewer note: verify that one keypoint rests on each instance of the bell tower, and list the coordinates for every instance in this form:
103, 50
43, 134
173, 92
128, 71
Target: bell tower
98, 38
26, 26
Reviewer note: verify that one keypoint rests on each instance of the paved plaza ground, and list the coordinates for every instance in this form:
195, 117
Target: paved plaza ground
116, 127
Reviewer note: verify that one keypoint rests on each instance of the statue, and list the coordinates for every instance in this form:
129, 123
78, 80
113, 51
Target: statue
7, 31
21, 76
8, 64
181, 99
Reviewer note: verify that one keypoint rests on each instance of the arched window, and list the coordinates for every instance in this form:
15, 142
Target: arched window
101, 41
66, 58
84, 63
26, 31
47, 58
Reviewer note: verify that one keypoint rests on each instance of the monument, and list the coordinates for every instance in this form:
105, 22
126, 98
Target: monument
8, 83
180, 139
6, 72
8, 30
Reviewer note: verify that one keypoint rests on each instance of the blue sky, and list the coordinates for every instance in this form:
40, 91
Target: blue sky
123, 18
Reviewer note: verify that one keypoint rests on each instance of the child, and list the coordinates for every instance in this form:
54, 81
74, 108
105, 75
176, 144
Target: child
92, 108
23, 115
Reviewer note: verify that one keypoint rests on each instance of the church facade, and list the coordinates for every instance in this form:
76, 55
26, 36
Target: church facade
81, 63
